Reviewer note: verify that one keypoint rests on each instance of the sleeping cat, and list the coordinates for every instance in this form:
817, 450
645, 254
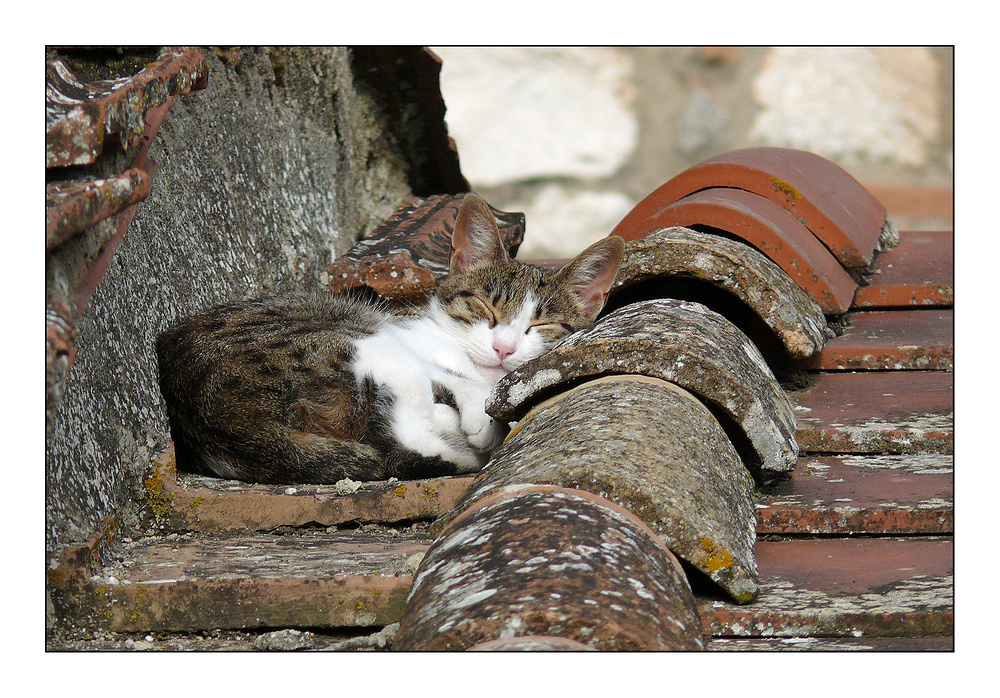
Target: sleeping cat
313, 389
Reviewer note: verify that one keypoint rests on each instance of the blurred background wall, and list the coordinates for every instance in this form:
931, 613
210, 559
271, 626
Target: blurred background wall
576, 136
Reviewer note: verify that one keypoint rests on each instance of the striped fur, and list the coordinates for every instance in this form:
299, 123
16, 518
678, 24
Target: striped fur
314, 389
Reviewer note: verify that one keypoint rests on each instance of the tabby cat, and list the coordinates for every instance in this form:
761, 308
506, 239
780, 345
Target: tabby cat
314, 389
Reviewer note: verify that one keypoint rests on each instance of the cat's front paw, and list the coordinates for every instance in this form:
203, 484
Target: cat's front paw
446, 420
489, 437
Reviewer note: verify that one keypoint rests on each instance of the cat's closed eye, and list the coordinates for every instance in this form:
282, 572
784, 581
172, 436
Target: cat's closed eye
485, 310
550, 326
480, 307
551, 330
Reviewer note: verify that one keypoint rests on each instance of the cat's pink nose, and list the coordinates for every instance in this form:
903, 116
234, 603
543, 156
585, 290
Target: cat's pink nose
503, 349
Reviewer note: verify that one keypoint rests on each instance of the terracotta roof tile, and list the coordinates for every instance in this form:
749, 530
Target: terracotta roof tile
830, 203
81, 117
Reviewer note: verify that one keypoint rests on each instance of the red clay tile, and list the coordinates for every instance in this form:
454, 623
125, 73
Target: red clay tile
549, 561
835, 588
916, 202
177, 583
770, 229
845, 588
72, 207
808, 643
919, 271
80, 116
872, 494
825, 198
841, 495
403, 258
891, 340
876, 412
210, 504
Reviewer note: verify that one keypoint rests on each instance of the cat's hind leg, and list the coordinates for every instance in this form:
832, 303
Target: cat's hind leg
289, 456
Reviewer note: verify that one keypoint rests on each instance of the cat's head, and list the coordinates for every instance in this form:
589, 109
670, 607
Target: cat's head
504, 312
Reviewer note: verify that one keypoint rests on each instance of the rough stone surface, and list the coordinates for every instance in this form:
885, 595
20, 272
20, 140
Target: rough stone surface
60, 350
256, 191
680, 342
652, 448
805, 93
554, 562
740, 270
406, 81
81, 203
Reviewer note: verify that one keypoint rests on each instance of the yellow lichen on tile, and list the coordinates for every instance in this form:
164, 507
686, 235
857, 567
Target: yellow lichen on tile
718, 557
784, 187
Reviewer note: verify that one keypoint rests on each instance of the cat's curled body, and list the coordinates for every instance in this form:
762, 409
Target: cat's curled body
314, 389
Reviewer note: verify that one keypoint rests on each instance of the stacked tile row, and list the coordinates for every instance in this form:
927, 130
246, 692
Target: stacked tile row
97, 138
665, 409
803, 212
620, 417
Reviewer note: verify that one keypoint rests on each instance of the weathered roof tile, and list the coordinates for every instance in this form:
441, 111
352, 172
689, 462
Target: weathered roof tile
659, 260
402, 259
80, 117
828, 201
652, 448
770, 229
548, 560
680, 342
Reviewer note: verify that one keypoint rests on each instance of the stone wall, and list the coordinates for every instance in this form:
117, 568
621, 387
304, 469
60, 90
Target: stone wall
267, 174
574, 137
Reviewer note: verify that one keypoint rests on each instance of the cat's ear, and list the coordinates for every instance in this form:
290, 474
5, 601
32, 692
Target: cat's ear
476, 239
591, 274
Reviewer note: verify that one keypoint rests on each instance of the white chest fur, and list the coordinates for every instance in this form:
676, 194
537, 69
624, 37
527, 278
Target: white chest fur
410, 356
